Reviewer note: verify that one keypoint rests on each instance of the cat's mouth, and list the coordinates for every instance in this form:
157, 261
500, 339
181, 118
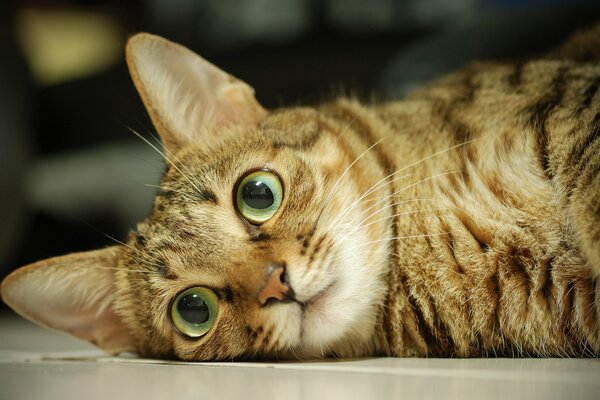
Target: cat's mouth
316, 298
315, 316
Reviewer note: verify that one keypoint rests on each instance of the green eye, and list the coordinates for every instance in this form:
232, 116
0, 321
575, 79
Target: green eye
259, 196
194, 311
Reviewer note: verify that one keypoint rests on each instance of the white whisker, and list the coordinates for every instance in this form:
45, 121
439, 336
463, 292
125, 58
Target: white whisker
407, 237
167, 159
359, 226
155, 261
385, 208
331, 192
376, 185
399, 191
365, 194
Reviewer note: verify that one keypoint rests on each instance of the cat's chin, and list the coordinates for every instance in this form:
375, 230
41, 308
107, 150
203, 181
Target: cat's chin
328, 321
339, 316
320, 322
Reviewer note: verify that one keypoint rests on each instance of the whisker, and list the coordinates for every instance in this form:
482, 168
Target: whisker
435, 154
415, 184
117, 241
358, 226
331, 192
158, 263
374, 187
345, 129
173, 156
327, 199
407, 237
166, 159
141, 271
386, 207
338, 220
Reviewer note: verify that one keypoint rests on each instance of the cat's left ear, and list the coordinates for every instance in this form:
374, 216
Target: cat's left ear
188, 98
74, 294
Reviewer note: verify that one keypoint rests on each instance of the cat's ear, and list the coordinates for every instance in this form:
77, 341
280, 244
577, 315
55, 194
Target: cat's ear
74, 294
187, 97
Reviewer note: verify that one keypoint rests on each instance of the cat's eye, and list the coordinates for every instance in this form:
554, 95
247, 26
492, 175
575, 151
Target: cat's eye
259, 196
194, 311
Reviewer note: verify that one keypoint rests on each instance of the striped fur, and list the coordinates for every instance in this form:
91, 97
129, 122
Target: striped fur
461, 221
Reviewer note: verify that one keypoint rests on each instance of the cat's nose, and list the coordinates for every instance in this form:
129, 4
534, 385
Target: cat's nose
276, 287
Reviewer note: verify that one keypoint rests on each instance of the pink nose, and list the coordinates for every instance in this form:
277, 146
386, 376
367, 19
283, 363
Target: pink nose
276, 288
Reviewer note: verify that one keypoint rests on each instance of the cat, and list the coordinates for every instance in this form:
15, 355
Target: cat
461, 221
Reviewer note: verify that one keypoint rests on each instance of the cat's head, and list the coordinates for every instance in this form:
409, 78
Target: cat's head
256, 245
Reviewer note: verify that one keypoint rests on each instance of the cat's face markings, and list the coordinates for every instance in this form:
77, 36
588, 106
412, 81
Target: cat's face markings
207, 255
211, 244
198, 237
224, 251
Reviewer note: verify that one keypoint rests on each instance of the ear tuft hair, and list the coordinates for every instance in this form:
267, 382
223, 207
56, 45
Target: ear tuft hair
188, 98
74, 294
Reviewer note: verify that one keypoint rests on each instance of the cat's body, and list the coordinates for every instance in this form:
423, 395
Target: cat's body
461, 221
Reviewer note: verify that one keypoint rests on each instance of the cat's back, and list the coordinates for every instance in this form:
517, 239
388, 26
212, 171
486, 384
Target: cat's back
499, 257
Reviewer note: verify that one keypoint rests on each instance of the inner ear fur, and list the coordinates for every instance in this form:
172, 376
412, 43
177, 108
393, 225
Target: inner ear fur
75, 294
188, 98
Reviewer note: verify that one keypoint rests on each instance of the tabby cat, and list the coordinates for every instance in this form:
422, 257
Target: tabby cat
462, 221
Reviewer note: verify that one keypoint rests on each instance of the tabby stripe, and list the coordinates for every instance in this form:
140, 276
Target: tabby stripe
517, 269
326, 262
345, 148
203, 194
266, 339
568, 316
206, 195
445, 109
579, 148
227, 293
444, 341
166, 193
539, 113
315, 250
450, 247
364, 131
251, 333
305, 142
547, 285
166, 272
461, 132
581, 155
140, 240
467, 96
588, 96
260, 237
590, 173
308, 238
422, 326
515, 78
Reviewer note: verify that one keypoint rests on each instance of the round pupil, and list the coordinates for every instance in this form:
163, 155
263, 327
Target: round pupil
193, 309
257, 194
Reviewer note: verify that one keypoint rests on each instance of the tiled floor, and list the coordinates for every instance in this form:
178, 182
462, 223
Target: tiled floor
38, 364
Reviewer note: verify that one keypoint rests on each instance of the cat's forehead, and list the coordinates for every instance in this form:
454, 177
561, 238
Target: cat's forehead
283, 141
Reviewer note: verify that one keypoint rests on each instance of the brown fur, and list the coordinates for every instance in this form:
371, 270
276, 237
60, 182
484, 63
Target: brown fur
479, 229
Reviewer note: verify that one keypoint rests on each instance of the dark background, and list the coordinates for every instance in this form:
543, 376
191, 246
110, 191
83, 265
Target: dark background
71, 173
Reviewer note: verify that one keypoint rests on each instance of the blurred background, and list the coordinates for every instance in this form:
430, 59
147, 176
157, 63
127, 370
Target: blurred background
72, 175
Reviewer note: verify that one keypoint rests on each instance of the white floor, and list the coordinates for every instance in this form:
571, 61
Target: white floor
38, 364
